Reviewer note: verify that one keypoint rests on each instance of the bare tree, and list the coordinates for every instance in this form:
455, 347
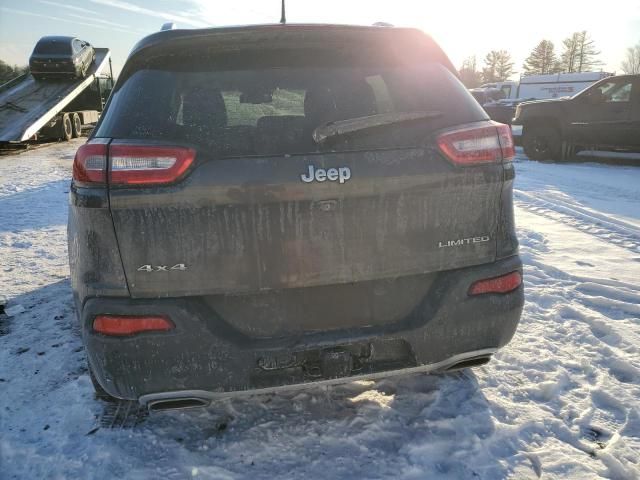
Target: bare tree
631, 63
579, 54
542, 60
568, 56
469, 74
498, 66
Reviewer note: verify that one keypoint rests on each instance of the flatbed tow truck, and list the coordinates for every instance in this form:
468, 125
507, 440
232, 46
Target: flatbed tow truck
31, 109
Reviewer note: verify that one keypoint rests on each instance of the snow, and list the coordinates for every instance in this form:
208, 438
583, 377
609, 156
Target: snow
562, 400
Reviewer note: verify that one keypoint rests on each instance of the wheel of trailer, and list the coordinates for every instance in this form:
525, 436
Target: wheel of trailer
542, 142
66, 128
76, 124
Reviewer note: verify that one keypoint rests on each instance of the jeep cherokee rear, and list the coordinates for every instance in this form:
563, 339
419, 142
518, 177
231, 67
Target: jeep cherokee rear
267, 206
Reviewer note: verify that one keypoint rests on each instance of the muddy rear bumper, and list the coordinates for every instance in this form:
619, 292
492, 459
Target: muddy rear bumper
204, 354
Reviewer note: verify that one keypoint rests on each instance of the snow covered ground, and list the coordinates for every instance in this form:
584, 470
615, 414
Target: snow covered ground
561, 401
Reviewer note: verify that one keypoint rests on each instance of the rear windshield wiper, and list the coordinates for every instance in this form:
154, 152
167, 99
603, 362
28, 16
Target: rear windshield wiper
351, 125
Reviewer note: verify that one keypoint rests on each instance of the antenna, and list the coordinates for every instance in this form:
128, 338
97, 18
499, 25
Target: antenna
283, 17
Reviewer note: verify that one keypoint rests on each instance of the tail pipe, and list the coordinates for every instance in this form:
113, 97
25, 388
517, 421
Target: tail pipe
177, 403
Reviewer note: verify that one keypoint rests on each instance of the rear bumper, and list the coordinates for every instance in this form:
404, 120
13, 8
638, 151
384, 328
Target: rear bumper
211, 358
66, 71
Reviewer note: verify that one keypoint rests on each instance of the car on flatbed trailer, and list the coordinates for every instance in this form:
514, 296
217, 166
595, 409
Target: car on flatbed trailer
269, 206
57, 56
31, 109
604, 116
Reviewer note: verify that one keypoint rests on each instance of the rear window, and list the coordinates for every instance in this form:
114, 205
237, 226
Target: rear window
268, 111
53, 47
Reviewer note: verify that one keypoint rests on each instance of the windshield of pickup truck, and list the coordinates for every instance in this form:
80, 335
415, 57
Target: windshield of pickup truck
276, 110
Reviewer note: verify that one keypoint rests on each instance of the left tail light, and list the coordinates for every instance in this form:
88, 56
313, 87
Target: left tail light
126, 325
474, 145
130, 164
90, 164
148, 165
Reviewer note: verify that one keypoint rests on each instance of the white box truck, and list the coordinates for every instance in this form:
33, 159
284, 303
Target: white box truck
539, 87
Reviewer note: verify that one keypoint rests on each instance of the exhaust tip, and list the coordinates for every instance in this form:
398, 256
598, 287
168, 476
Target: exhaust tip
177, 404
472, 362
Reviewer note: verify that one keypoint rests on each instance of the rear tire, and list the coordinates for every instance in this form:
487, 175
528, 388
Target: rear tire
541, 142
101, 393
66, 128
77, 125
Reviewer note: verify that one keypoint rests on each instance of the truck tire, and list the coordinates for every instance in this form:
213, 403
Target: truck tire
66, 128
542, 142
76, 123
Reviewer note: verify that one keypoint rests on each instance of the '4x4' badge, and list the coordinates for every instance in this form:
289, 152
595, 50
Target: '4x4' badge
162, 268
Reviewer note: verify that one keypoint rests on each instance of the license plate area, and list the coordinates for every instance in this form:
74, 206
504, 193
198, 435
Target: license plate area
335, 362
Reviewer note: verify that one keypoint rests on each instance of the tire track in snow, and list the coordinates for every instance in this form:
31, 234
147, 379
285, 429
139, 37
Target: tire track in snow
599, 225
592, 333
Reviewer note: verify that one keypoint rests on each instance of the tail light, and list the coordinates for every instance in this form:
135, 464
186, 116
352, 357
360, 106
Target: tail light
146, 165
506, 142
131, 164
476, 145
502, 284
90, 164
124, 325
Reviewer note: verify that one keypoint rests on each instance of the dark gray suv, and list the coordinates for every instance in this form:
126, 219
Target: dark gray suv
269, 206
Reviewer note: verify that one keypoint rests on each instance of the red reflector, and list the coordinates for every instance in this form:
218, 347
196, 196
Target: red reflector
489, 143
90, 163
145, 165
121, 325
503, 284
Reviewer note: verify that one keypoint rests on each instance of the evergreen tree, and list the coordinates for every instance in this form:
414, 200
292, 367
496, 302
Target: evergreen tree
498, 66
542, 60
631, 63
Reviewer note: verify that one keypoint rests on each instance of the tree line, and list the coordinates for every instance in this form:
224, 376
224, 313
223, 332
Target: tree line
7, 72
579, 54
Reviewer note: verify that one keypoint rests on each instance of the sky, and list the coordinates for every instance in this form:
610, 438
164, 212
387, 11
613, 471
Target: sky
461, 27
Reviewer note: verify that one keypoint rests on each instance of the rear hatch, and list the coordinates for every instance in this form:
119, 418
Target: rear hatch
316, 191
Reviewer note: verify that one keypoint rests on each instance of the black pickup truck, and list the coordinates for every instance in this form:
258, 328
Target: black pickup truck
604, 116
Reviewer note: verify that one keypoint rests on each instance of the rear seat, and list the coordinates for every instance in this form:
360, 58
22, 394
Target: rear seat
279, 134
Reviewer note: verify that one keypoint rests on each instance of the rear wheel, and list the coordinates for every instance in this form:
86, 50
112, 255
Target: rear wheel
101, 393
77, 125
66, 128
542, 142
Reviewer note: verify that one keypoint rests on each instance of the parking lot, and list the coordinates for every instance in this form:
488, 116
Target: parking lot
560, 401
